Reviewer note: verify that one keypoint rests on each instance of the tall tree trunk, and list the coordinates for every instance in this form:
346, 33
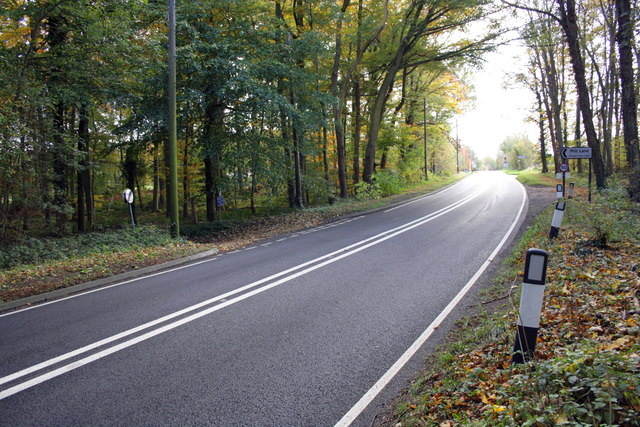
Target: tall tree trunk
346, 82
357, 128
185, 175
60, 170
578, 135
377, 113
56, 37
543, 144
155, 204
85, 195
357, 106
325, 163
210, 199
337, 105
569, 25
625, 41
551, 71
211, 135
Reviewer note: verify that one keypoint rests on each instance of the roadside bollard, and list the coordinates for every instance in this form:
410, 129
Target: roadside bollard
558, 213
570, 193
559, 191
533, 285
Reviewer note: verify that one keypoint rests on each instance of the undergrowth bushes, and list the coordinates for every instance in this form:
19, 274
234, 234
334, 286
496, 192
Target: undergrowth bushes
30, 250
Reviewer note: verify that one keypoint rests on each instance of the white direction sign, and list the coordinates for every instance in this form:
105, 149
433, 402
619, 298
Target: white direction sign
576, 152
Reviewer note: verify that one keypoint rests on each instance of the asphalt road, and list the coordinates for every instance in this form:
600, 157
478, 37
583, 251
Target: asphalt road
294, 330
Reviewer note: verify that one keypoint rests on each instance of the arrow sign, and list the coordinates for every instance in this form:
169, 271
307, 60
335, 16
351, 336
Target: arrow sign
576, 152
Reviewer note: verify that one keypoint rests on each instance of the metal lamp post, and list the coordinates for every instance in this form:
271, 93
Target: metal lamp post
173, 151
424, 137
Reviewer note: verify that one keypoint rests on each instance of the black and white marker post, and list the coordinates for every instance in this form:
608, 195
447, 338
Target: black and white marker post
559, 191
127, 196
533, 285
558, 214
570, 192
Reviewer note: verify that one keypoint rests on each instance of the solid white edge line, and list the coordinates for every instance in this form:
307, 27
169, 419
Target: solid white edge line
50, 375
371, 394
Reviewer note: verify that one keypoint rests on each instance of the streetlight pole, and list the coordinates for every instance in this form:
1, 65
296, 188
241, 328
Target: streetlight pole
424, 136
173, 151
457, 149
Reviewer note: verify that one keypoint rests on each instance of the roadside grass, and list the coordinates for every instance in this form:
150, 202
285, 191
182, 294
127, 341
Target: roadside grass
31, 266
534, 177
548, 179
587, 365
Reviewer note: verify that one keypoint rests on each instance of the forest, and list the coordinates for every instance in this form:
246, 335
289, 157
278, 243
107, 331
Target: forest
287, 104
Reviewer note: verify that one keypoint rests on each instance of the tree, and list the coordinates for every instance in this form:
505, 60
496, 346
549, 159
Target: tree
519, 152
625, 41
415, 43
567, 19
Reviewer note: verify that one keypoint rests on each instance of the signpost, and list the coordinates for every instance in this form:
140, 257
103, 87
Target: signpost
564, 168
578, 153
220, 204
127, 196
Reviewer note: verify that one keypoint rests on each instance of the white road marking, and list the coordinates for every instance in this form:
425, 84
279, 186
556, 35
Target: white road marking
328, 259
371, 394
421, 198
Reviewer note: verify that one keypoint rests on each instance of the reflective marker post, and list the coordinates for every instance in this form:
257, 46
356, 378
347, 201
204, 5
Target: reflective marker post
558, 214
559, 191
571, 188
533, 285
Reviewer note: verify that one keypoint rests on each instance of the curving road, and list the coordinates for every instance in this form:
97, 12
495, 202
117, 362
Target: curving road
314, 328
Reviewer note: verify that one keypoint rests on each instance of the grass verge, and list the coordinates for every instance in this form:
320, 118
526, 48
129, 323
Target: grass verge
587, 366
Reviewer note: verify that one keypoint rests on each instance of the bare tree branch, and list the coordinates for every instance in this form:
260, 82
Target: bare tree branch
531, 9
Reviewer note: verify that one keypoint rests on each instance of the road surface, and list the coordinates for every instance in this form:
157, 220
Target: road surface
312, 328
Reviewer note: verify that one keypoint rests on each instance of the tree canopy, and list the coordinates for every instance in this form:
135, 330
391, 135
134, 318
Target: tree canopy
279, 103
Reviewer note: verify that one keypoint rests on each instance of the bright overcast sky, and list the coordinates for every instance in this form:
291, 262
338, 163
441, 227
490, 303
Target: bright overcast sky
499, 110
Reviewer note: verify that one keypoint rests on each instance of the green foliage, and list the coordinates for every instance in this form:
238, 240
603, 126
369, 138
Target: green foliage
30, 250
388, 182
582, 386
611, 216
208, 228
514, 147
366, 191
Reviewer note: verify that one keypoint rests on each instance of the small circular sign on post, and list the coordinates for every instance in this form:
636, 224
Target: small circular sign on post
127, 196
564, 167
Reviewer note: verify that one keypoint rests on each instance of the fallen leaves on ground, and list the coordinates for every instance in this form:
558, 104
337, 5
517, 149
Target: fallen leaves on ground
26, 281
587, 360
